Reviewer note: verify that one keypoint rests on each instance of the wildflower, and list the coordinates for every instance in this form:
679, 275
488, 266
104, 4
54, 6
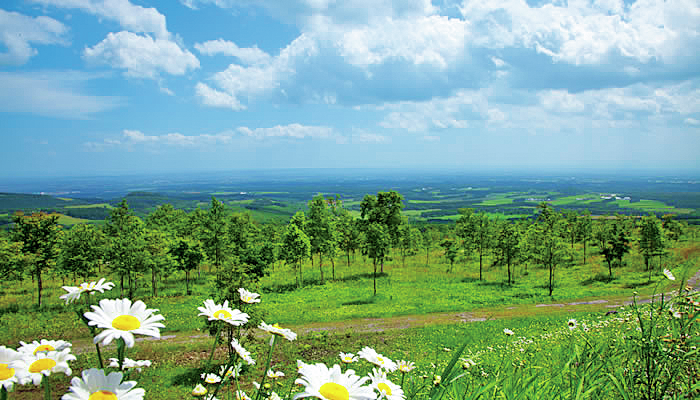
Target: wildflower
8, 375
437, 379
234, 370
467, 363
669, 274
242, 352
130, 364
122, 319
248, 297
405, 366
274, 374
199, 390
43, 364
301, 365
211, 378
222, 312
274, 396
92, 287
331, 384
348, 358
508, 332
277, 330
573, 324
384, 386
240, 395
43, 345
95, 385
377, 359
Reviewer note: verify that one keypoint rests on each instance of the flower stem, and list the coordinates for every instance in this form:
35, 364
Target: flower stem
213, 347
267, 367
3, 393
121, 352
99, 356
47, 387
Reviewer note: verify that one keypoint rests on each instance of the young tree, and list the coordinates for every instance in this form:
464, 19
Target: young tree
616, 245
126, 252
12, 260
651, 241
384, 209
428, 240
348, 233
673, 229
82, 250
39, 234
188, 254
548, 248
476, 231
507, 245
450, 251
296, 246
213, 233
159, 257
320, 229
377, 245
584, 230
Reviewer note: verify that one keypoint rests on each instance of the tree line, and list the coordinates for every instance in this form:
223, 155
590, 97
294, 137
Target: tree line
239, 250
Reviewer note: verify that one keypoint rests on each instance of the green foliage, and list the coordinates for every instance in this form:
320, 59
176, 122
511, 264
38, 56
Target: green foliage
82, 250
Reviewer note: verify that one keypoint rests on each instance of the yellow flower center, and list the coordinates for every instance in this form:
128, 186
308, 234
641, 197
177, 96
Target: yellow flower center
5, 372
334, 391
222, 314
383, 387
126, 323
380, 360
44, 347
41, 364
103, 395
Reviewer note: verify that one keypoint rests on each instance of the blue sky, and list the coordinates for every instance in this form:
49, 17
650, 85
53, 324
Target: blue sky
90, 87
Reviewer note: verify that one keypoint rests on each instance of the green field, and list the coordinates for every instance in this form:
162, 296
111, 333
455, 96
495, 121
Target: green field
97, 205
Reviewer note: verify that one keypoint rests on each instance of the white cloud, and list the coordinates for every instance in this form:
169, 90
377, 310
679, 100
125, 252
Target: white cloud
216, 98
129, 16
18, 32
247, 55
560, 100
141, 56
52, 93
692, 121
295, 131
366, 137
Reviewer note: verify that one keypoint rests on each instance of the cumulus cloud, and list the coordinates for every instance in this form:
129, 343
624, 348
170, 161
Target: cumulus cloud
129, 16
52, 93
246, 55
141, 56
295, 131
18, 32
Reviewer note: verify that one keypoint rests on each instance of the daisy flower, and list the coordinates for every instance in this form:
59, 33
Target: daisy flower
95, 385
274, 374
277, 330
248, 297
242, 352
43, 364
467, 363
129, 364
222, 312
384, 386
199, 390
348, 358
9, 376
301, 365
91, 287
331, 384
211, 378
573, 324
72, 295
234, 370
274, 396
377, 359
240, 395
44, 345
437, 379
122, 319
508, 332
405, 366
669, 274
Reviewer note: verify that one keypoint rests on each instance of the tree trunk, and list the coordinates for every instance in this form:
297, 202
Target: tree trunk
509, 271
320, 265
480, 263
39, 286
610, 267
375, 276
347, 253
301, 275
382, 271
427, 253
187, 281
551, 275
153, 281
121, 284
333, 267
584, 251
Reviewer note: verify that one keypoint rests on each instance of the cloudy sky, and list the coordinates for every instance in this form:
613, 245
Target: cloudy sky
93, 87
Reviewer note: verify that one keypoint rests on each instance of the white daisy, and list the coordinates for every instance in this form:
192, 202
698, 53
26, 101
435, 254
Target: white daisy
348, 358
377, 359
331, 384
508, 332
242, 352
467, 363
122, 319
274, 396
95, 385
73, 293
277, 330
199, 390
274, 374
210, 397
89, 287
572, 324
130, 364
405, 366
669, 274
219, 312
384, 386
43, 345
248, 297
211, 378
301, 365
240, 395
234, 370
43, 364
9, 376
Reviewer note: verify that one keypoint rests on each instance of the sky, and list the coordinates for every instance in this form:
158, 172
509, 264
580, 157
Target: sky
93, 87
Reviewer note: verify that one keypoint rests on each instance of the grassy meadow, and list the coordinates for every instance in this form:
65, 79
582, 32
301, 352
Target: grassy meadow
421, 313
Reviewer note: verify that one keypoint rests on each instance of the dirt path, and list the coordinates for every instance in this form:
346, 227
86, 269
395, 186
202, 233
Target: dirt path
361, 325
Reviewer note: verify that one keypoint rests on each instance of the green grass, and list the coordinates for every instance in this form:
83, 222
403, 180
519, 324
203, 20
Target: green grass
68, 220
495, 202
651, 206
98, 205
576, 199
